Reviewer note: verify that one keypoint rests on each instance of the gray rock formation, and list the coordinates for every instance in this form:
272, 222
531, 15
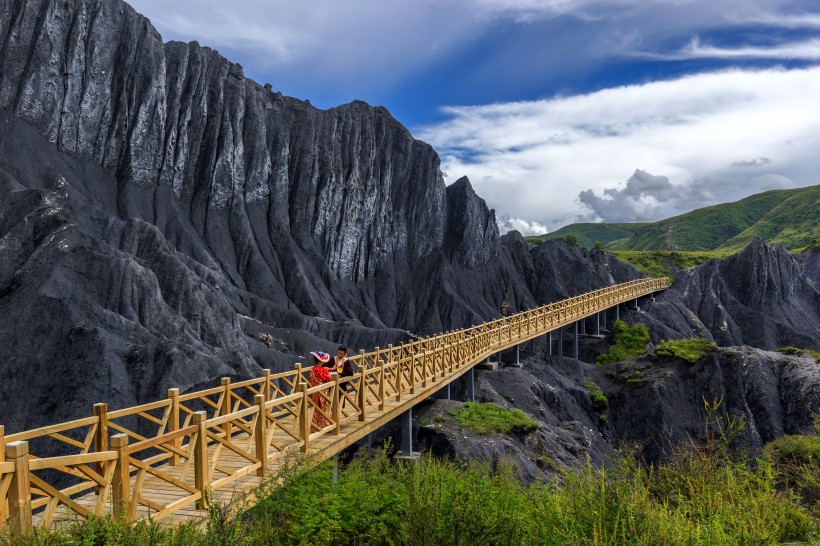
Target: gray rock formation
655, 404
660, 403
761, 297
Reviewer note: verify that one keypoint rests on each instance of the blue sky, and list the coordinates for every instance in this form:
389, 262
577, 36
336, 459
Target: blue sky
557, 110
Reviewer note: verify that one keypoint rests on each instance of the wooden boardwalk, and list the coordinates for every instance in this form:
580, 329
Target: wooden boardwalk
160, 459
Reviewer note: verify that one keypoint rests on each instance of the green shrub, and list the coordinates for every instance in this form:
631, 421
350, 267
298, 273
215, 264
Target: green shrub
628, 342
800, 352
484, 418
599, 400
691, 350
797, 462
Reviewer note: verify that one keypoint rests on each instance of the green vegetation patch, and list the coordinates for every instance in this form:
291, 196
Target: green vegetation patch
696, 498
587, 234
628, 342
485, 417
599, 400
665, 263
799, 352
796, 460
691, 350
778, 216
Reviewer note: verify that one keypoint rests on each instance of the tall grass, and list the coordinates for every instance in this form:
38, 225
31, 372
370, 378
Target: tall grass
697, 498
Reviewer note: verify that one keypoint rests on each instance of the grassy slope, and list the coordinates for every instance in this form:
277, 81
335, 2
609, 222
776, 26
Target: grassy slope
707, 228
588, 233
791, 217
795, 222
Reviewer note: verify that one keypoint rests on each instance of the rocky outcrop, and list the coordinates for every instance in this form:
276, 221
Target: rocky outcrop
657, 405
661, 403
760, 297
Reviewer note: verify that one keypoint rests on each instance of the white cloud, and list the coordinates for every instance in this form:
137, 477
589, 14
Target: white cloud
531, 160
807, 50
524, 227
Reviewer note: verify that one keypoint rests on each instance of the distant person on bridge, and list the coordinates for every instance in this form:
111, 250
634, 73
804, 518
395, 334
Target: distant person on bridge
345, 368
319, 374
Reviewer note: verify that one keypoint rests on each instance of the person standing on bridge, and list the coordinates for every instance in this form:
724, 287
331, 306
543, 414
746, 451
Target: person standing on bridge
319, 374
345, 368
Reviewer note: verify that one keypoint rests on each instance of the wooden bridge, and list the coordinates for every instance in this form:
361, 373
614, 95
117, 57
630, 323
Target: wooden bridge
161, 459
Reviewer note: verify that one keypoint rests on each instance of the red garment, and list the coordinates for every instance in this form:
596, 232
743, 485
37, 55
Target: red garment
319, 375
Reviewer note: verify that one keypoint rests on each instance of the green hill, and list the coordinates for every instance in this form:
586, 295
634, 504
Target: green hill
588, 233
791, 217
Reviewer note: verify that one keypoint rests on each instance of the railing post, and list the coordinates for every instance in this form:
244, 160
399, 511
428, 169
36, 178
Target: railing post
19, 489
424, 370
298, 378
266, 384
441, 352
261, 433
336, 404
304, 425
413, 374
399, 385
362, 394
173, 423
201, 478
101, 437
3, 503
381, 385
121, 482
226, 407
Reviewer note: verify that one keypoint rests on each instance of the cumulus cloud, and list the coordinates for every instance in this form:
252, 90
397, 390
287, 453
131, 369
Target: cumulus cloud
524, 227
642, 198
534, 159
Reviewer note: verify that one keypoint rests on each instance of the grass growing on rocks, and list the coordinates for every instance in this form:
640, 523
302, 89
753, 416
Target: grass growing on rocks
697, 498
484, 418
599, 399
800, 352
628, 342
690, 350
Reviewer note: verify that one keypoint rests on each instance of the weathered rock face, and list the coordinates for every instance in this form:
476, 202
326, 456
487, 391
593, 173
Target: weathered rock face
661, 403
759, 297
653, 403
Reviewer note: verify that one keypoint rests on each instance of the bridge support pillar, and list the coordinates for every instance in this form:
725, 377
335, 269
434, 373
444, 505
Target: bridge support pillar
637, 307
444, 392
583, 326
560, 342
575, 342
598, 323
549, 343
335, 477
517, 363
618, 312
470, 376
406, 453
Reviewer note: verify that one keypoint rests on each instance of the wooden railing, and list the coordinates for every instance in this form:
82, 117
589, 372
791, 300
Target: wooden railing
193, 443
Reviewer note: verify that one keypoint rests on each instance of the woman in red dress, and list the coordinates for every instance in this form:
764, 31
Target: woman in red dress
319, 374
